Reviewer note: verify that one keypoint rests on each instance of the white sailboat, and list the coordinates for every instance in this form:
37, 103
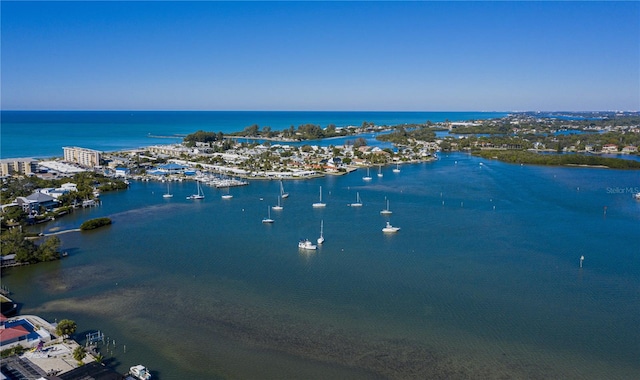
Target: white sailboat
397, 169
268, 218
199, 194
168, 193
282, 193
319, 204
321, 238
367, 177
386, 211
227, 195
390, 228
358, 201
278, 207
380, 171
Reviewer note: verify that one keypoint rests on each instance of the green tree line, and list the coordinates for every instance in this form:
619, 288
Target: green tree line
526, 157
14, 241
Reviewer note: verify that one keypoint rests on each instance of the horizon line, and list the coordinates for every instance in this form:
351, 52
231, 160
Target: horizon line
308, 110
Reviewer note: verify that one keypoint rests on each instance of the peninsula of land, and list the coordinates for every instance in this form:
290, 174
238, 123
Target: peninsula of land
41, 190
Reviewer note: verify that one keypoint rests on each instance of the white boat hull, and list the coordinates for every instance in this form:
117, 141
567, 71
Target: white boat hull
306, 244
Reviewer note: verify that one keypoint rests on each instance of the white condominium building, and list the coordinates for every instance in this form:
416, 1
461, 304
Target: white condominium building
82, 156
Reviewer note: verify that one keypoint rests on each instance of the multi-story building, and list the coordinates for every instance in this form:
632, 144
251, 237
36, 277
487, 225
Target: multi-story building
11, 166
82, 156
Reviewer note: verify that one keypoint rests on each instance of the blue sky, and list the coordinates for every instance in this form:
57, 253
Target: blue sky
423, 56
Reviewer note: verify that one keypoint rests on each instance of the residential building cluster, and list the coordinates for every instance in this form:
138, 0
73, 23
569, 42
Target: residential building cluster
264, 160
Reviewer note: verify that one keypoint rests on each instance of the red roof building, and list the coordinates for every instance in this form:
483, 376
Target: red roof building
12, 334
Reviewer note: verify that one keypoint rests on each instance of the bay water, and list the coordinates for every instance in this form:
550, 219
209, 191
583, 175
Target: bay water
483, 280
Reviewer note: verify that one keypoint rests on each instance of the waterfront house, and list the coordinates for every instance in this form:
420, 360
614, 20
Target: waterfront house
33, 203
359, 161
630, 149
122, 172
365, 149
21, 332
610, 148
69, 186
11, 335
55, 193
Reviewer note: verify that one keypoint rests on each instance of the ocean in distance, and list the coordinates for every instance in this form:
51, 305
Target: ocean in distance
42, 134
482, 281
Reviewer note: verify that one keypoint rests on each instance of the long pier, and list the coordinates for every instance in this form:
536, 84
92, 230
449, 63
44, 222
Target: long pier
61, 232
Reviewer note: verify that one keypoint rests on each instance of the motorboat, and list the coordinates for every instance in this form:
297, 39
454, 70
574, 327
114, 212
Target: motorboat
390, 228
306, 244
140, 372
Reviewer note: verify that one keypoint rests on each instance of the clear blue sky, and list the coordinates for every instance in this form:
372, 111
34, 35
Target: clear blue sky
424, 56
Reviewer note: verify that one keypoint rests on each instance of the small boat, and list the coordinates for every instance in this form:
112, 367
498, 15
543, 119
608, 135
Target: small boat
321, 238
140, 372
199, 194
306, 244
397, 169
637, 196
390, 228
319, 204
278, 207
268, 218
282, 193
227, 195
367, 177
168, 193
358, 201
386, 211
380, 171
